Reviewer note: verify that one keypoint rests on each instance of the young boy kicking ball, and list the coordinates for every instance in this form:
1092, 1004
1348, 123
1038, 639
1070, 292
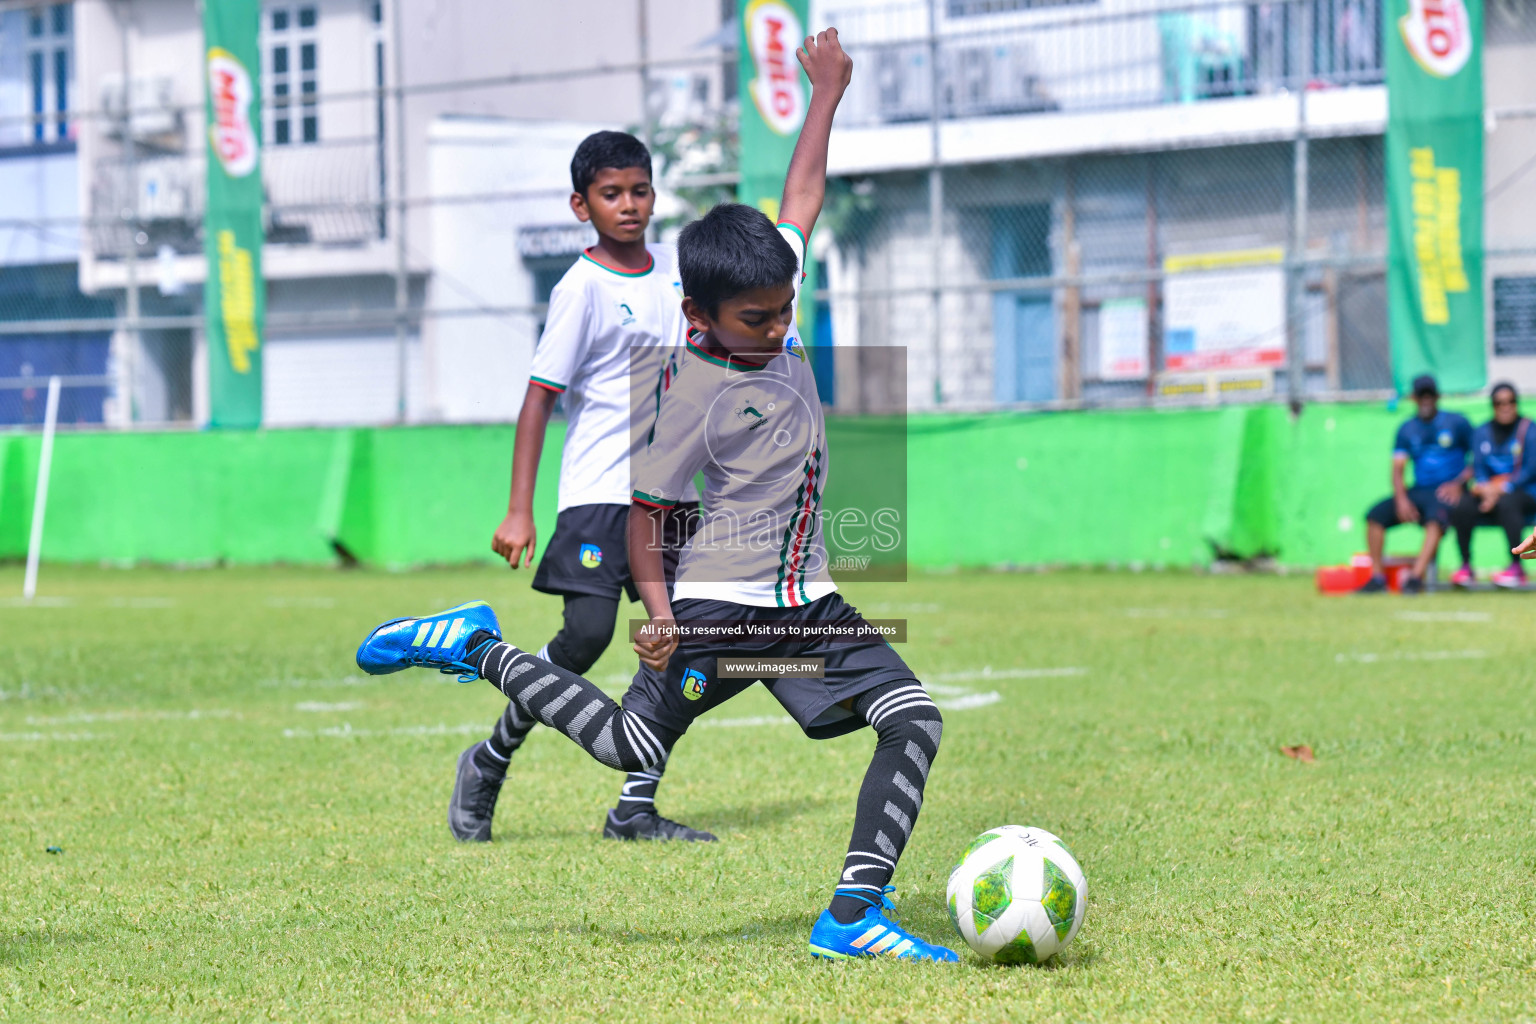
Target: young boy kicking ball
744, 411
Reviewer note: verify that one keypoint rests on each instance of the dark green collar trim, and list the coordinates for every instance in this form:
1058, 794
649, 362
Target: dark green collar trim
728, 363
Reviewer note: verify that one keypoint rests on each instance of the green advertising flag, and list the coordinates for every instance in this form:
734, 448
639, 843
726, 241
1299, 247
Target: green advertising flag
234, 296
773, 92
1434, 154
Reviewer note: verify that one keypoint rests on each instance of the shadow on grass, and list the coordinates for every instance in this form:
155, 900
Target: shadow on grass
1064, 962
777, 930
25, 946
751, 816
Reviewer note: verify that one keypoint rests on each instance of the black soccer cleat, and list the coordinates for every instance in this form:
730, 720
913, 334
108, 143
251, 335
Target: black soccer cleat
650, 825
1375, 585
474, 799
1413, 585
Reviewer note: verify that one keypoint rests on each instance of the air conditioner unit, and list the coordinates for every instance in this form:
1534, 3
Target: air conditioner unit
903, 83
149, 106
995, 79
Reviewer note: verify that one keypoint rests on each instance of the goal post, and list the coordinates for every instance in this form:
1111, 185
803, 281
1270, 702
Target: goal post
40, 500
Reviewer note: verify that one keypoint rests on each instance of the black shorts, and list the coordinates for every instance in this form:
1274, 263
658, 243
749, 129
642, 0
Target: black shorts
589, 553
690, 685
1431, 508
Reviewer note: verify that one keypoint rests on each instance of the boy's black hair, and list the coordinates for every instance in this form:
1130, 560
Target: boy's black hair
732, 249
1504, 385
602, 150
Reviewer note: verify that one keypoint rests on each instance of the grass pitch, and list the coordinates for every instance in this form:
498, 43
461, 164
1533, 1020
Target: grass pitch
252, 830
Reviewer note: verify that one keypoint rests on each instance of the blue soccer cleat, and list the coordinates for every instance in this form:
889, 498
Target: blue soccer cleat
432, 641
874, 934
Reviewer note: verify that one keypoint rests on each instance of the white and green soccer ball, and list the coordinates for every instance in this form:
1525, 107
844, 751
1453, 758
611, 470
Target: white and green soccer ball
1017, 896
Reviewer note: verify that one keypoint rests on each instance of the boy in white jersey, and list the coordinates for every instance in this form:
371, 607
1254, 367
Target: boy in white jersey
744, 411
614, 313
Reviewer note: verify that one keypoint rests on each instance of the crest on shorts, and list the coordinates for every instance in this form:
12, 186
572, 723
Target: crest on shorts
591, 556
694, 683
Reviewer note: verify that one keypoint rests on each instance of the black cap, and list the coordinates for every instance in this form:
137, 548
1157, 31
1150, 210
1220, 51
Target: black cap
1424, 384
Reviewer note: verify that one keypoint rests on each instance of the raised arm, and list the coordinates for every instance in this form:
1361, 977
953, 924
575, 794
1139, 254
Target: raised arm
805, 185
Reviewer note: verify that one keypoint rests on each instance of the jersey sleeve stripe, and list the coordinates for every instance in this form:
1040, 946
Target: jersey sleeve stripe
794, 227
551, 385
650, 499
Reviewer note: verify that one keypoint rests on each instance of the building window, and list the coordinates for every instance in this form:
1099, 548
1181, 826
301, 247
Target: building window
291, 40
37, 82
1514, 316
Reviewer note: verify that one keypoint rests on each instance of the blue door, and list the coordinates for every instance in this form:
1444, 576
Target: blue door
1024, 335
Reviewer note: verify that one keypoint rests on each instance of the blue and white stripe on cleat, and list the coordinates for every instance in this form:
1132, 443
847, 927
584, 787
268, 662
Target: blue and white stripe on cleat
432, 641
874, 934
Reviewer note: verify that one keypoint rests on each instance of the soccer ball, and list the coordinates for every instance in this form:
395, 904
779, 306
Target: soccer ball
1017, 895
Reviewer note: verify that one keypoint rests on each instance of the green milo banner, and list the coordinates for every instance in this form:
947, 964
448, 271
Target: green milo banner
774, 92
233, 297
1434, 154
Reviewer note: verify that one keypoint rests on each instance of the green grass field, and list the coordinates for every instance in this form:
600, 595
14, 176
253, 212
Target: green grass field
252, 830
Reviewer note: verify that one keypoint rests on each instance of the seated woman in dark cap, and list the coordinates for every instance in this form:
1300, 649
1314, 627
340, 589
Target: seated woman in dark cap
1503, 491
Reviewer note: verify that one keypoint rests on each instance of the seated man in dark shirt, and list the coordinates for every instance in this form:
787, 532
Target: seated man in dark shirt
1503, 485
1437, 443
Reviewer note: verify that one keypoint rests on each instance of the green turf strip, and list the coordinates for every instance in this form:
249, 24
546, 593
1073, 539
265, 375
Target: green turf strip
252, 830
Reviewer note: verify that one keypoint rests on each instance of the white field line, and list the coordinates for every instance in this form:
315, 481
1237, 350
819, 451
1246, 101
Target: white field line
1370, 659
966, 703
141, 602
321, 707
1176, 613
345, 731
331, 684
87, 717
37, 602
1445, 616
990, 673
47, 737
30, 692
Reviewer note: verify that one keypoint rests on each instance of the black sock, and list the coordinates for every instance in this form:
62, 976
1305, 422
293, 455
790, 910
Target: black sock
639, 793
588, 627
506, 736
563, 700
908, 727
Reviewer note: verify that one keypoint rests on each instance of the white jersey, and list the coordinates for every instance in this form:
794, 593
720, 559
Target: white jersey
757, 433
597, 349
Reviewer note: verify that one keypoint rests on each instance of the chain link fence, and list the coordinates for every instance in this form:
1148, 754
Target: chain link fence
1050, 205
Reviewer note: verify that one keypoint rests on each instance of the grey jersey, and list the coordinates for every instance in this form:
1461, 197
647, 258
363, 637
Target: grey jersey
758, 435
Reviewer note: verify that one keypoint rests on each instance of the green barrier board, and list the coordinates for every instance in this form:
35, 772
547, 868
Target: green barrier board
1157, 488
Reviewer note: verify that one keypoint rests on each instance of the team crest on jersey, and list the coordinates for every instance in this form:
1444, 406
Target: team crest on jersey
793, 346
748, 412
694, 684
626, 315
1445, 439
591, 556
